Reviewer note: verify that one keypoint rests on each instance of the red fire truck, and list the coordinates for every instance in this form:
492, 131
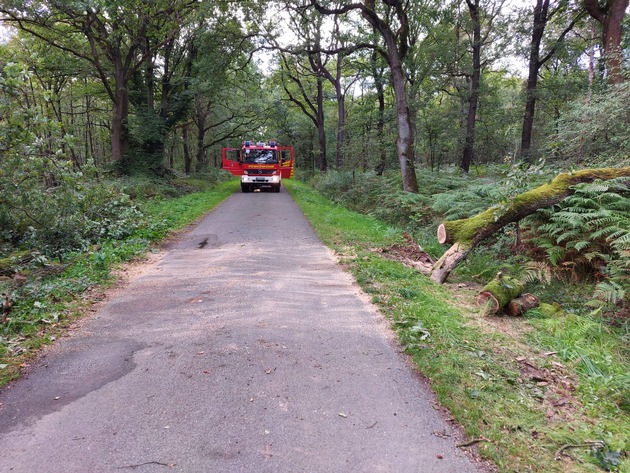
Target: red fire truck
260, 164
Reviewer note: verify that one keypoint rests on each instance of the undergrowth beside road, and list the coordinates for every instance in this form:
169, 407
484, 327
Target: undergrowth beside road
47, 304
538, 394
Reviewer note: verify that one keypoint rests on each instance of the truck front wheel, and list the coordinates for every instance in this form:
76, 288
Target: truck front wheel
245, 187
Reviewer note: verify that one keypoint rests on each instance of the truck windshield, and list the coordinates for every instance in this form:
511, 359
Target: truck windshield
260, 156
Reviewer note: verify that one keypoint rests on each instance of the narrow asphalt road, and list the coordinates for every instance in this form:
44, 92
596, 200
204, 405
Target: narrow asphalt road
244, 348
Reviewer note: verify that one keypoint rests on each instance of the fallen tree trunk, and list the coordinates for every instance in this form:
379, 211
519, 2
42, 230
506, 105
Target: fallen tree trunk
467, 233
498, 293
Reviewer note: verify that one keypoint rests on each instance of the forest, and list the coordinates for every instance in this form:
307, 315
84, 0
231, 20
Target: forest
502, 125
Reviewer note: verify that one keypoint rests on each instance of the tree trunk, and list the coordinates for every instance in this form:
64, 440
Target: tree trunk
395, 55
120, 98
467, 233
610, 16
405, 140
448, 262
612, 32
538, 29
341, 131
471, 119
201, 137
341, 104
186, 146
120, 134
321, 130
542, 15
341, 119
380, 120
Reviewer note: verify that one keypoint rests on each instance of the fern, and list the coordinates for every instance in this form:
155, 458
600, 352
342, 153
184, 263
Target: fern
589, 233
464, 203
610, 292
536, 271
582, 245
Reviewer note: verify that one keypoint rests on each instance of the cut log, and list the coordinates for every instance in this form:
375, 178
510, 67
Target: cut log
522, 304
498, 293
467, 233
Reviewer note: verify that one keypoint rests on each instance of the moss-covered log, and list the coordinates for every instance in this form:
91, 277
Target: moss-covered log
551, 310
498, 293
467, 233
522, 304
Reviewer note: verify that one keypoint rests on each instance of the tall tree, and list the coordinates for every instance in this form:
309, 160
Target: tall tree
318, 65
542, 15
475, 83
223, 83
110, 35
295, 82
341, 90
610, 14
304, 68
394, 52
485, 35
378, 71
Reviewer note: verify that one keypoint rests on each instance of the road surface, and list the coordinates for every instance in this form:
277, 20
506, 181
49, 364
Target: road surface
243, 348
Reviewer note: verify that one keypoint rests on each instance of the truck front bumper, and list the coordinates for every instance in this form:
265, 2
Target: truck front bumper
260, 180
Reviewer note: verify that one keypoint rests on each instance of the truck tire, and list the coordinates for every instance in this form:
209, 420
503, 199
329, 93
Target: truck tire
245, 187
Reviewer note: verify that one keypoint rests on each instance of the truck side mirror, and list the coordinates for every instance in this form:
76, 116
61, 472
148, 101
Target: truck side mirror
284, 155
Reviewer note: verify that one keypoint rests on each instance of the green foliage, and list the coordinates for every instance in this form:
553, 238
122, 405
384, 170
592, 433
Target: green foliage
382, 197
464, 203
47, 204
585, 237
597, 353
597, 131
588, 234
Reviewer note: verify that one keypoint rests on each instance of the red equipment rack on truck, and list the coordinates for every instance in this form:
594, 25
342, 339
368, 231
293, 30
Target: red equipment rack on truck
260, 165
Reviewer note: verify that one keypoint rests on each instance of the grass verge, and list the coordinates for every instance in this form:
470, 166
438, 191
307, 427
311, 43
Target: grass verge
48, 303
527, 389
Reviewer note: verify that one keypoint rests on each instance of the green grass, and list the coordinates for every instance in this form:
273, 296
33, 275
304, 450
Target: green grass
179, 212
505, 386
44, 307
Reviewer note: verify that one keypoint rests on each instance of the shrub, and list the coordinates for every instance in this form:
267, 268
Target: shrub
47, 203
597, 131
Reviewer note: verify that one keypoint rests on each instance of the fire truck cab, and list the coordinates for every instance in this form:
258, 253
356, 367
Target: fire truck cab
261, 165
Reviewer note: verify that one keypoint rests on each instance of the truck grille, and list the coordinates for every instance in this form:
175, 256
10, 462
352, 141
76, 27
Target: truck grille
266, 172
